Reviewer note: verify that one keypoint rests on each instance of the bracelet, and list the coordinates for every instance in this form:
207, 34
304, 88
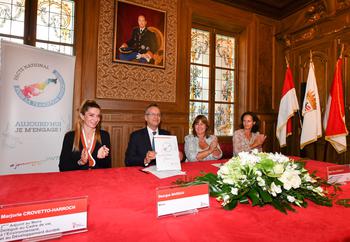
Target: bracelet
80, 162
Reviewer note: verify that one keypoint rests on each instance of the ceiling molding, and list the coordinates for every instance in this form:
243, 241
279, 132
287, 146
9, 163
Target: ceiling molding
270, 8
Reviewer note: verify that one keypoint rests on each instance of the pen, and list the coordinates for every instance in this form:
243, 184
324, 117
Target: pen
144, 171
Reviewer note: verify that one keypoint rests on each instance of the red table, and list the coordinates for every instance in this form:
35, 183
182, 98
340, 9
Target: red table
122, 207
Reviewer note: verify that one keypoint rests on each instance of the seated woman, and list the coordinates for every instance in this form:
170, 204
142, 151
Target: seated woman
87, 147
248, 137
200, 145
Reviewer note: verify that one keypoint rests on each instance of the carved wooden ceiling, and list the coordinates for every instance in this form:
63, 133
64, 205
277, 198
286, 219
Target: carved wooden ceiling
276, 9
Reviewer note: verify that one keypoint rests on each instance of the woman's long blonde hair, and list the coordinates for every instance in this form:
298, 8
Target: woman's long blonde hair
79, 123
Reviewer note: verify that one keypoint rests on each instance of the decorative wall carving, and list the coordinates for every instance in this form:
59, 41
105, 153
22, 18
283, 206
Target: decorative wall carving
315, 12
132, 82
343, 4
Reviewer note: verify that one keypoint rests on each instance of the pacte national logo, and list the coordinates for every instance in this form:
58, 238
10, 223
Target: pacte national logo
37, 86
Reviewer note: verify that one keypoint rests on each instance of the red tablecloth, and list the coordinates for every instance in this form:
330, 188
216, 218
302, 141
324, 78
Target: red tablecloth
122, 207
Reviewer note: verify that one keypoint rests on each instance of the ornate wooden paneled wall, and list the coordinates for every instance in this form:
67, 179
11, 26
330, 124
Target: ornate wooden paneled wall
321, 28
255, 72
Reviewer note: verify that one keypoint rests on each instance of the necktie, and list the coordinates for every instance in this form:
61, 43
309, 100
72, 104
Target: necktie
154, 133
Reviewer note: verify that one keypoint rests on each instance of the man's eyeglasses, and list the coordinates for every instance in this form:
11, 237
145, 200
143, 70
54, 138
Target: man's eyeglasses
153, 114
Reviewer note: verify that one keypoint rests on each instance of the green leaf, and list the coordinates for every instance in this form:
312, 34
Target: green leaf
244, 200
254, 196
231, 205
288, 206
278, 206
266, 197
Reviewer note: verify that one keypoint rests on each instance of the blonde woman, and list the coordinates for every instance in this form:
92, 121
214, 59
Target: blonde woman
87, 146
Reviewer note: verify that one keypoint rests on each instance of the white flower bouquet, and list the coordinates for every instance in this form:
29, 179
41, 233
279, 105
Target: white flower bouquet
265, 178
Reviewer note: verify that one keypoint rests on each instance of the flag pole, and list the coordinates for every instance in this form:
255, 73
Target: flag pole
341, 51
298, 111
314, 144
287, 62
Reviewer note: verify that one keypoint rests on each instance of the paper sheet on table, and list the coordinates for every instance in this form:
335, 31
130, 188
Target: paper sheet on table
163, 174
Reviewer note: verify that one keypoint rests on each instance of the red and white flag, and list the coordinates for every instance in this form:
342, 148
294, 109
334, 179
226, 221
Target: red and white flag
312, 126
334, 117
288, 106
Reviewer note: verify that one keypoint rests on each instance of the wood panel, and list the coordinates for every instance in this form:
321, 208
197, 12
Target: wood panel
265, 67
268, 127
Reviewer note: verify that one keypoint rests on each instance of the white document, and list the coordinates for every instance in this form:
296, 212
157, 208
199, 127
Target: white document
167, 153
162, 174
218, 165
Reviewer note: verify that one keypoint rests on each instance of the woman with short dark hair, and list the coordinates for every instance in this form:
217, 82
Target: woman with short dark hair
248, 137
200, 145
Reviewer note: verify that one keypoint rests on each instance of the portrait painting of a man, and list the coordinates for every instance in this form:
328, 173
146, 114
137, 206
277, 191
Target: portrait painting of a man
139, 35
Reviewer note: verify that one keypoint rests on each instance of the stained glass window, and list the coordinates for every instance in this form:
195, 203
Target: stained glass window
54, 29
55, 25
12, 20
224, 84
199, 76
212, 79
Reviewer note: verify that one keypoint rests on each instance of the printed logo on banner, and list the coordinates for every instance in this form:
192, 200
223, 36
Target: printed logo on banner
39, 93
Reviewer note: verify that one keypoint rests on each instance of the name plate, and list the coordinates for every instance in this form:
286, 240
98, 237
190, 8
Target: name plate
338, 174
172, 200
42, 219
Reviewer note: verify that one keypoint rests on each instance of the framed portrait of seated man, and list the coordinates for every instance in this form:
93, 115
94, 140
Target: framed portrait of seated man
139, 34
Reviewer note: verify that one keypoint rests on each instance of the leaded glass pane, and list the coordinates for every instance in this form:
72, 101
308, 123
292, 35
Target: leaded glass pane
58, 48
199, 83
58, 17
42, 32
200, 46
197, 108
54, 34
225, 51
10, 11
20, 41
223, 119
17, 28
224, 85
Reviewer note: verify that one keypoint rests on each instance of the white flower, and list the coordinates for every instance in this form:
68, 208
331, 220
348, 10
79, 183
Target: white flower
258, 173
278, 157
318, 190
261, 182
275, 189
247, 158
228, 180
226, 199
255, 151
278, 169
224, 170
308, 178
309, 187
234, 190
290, 179
291, 199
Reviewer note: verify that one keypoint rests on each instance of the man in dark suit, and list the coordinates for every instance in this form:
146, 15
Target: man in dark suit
142, 44
140, 151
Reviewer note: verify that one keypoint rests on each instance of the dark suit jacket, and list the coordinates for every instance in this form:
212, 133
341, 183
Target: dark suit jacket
139, 145
142, 42
69, 158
